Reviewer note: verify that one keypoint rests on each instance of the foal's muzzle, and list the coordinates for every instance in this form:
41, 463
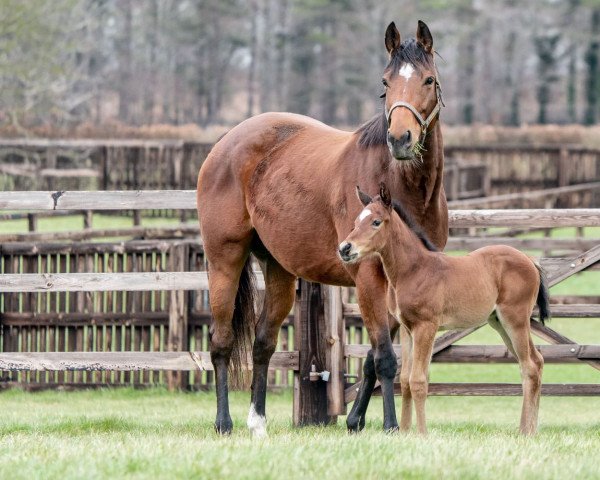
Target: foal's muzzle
345, 250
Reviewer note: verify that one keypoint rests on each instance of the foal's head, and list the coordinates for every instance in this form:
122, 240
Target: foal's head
412, 91
371, 227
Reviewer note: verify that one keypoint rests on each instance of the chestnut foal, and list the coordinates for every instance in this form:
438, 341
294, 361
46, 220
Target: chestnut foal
429, 291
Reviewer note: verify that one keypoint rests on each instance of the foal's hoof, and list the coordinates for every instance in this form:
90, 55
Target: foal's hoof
355, 424
223, 426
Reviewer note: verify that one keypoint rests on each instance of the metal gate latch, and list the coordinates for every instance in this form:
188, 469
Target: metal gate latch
314, 375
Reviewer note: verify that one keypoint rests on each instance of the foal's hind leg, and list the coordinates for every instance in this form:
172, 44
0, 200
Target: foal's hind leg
515, 321
279, 299
355, 421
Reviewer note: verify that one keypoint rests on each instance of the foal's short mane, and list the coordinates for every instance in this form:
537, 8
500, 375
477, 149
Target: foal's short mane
414, 226
374, 132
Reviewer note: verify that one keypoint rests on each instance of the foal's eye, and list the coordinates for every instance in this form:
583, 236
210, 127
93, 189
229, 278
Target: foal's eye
376, 223
429, 80
384, 81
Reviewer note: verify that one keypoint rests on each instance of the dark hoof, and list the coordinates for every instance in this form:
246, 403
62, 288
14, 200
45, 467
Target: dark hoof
391, 429
224, 426
355, 424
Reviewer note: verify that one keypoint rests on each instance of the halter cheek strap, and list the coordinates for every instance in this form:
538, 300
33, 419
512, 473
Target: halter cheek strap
423, 122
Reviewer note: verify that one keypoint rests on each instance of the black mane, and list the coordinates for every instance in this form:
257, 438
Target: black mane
374, 132
414, 226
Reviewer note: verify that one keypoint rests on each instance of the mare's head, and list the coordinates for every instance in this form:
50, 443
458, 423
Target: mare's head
412, 91
371, 227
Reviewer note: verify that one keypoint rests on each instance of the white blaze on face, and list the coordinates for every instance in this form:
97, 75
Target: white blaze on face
364, 214
406, 71
256, 423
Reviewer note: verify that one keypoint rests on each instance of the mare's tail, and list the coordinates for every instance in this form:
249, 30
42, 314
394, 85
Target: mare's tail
543, 296
243, 323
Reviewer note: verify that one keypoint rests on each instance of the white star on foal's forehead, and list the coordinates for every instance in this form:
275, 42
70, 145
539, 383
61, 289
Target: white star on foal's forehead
406, 71
364, 214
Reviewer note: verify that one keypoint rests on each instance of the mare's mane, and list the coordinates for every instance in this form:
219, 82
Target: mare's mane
374, 132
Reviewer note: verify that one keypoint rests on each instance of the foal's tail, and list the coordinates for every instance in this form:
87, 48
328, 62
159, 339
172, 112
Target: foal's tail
543, 296
244, 319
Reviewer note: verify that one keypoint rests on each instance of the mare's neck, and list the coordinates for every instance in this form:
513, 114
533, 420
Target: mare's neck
403, 254
423, 178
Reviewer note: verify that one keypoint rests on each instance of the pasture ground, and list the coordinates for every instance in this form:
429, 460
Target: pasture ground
153, 433
157, 434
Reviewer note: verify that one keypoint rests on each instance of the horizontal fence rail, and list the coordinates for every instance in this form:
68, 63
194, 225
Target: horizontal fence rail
186, 199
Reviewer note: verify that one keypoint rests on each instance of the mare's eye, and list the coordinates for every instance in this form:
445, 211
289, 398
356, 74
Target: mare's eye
376, 223
429, 80
385, 84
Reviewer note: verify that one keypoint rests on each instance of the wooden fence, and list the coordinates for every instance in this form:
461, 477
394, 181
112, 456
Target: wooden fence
137, 312
38, 164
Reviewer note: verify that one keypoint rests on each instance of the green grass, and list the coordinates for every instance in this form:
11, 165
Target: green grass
156, 434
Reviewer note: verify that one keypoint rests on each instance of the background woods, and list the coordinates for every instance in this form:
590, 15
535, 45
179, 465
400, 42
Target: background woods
504, 62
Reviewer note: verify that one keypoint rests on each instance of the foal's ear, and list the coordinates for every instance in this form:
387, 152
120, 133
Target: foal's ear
424, 37
392, 39
363, 197
384, 193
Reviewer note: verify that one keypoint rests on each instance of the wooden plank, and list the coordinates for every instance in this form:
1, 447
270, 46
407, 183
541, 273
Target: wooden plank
574, 265
486, 202
507, 389
334, 324
104, 282
125, 361
557, 310
310, 397
494, 353
531, 218
99, 200
473, 243
551, 336
178, 314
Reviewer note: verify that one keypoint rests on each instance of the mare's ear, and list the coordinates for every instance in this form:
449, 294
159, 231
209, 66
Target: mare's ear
392, 39
384, 193
363, 197
424, 37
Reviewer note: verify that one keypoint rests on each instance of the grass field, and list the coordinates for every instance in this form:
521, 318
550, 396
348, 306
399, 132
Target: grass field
156, 434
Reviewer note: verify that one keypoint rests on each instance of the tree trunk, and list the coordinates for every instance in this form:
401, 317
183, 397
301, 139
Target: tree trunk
593, 81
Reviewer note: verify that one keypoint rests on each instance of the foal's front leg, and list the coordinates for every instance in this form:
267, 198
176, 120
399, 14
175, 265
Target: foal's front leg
423, 336
406, 343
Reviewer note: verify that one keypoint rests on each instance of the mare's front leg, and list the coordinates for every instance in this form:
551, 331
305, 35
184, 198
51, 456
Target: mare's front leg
356, 418
371, 289
423, 336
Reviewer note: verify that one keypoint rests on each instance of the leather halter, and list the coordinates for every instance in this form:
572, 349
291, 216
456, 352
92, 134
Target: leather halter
423, 122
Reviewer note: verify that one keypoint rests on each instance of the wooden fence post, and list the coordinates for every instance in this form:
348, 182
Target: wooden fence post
336, 364
310, 397
178, 315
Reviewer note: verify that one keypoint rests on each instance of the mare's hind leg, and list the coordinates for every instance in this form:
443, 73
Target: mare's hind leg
223, 280
515, 321
355, 421
279, 299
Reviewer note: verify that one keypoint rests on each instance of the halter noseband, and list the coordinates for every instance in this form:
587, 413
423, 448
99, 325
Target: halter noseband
423, 122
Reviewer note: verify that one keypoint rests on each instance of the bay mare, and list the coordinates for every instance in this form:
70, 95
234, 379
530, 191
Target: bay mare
281, 186
429, 291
